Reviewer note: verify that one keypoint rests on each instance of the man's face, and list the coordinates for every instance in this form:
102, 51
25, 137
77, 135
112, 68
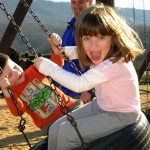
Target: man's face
77, 6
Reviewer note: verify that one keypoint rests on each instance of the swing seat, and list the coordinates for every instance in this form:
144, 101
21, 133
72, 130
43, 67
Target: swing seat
133, 137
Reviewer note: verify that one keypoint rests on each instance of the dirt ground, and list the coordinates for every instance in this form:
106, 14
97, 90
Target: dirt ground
145, 100
12, 139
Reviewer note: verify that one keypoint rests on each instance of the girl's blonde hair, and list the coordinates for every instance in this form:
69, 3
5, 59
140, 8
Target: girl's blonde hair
103, 20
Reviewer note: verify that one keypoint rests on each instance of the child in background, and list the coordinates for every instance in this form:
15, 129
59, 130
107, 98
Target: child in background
32, 93
107, 45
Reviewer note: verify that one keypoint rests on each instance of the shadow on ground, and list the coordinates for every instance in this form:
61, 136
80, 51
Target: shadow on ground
13, 140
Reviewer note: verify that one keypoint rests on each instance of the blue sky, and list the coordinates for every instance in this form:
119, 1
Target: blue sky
124, 3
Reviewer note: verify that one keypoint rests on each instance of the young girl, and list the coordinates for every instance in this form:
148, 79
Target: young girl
108, 45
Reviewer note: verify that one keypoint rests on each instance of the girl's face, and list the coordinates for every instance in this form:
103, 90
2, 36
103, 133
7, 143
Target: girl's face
96, 47
14, 73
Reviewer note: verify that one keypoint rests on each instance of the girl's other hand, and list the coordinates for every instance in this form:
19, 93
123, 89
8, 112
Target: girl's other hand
37, 61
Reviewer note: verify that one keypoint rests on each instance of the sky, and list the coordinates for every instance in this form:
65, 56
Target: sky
138, 4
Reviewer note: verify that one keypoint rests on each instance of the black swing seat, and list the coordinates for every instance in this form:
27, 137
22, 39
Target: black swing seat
133, 137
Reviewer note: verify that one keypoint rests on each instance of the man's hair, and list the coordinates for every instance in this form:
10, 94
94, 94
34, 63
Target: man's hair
3, 60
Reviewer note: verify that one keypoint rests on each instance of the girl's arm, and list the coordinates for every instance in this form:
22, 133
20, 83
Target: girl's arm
71, 81
71, 52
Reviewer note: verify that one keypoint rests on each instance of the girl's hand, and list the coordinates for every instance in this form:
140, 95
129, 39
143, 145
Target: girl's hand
37, 61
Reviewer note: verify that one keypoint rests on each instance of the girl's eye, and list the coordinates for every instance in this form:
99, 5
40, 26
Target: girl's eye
101, 37
86, 38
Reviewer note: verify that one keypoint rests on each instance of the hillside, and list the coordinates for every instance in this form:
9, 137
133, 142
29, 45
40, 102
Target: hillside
48, 12
55, 16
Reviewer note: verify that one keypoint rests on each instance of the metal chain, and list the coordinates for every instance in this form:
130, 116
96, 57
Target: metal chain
65, 109
144, 23
44, 28
145, 45
133, 16
36, 18
22, 122
134, 27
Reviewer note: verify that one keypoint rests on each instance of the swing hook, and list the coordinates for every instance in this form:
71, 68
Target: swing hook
21, 126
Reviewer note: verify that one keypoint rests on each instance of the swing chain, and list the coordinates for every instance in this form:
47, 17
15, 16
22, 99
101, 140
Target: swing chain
65, 110
133, 15
36, 18
18, 29
144, 24
75, 68
48, 33
22, 122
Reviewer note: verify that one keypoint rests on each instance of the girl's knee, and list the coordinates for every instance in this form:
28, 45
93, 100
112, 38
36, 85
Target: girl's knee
67, 137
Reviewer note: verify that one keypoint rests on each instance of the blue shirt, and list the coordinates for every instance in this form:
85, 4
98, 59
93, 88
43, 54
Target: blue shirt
68, 39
